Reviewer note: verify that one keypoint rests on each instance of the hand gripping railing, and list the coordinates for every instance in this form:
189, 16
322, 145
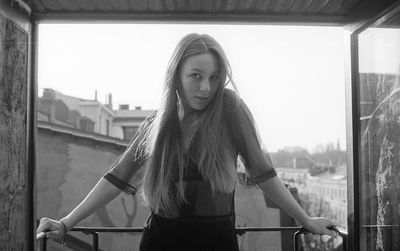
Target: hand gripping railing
239, 231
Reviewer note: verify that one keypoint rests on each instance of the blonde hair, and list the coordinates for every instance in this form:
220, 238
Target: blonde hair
161, 142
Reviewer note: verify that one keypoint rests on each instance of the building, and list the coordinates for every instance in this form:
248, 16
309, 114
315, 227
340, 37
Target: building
332, 188
317, 180
329, 187
90, 115
294, 177
126, 122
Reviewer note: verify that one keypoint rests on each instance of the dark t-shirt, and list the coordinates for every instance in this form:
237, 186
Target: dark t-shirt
201, 200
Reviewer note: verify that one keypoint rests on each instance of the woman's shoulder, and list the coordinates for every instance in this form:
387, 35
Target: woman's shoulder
152, 115
231, 100
149, 119
236, 111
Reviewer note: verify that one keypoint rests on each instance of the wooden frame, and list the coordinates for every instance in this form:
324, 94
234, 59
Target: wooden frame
353, 124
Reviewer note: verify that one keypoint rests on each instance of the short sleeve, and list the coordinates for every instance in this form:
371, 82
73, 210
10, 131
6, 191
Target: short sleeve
126, 172
250, 147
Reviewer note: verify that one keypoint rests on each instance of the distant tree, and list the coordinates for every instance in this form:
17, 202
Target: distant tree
319, 148
333, 157
330, 147
338, 146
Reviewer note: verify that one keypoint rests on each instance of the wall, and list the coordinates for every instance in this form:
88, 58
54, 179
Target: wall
16, 225
67, 168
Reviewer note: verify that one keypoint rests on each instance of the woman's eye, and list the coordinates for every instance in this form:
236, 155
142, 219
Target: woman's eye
215, 77
195, 75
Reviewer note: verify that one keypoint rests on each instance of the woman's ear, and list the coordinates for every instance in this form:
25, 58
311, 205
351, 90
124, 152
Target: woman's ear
178, 86
178, 96
179, 105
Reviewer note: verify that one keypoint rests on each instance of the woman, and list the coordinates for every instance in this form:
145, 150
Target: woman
188, 151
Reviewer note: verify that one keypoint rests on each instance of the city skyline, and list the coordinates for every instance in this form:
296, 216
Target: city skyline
319, 148
292, 79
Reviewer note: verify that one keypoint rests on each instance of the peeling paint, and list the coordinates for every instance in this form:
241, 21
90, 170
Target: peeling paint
13, 113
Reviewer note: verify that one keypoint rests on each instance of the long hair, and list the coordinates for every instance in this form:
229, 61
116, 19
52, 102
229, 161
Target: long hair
163, 185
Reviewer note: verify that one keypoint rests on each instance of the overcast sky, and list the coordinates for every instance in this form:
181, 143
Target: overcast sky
292, 78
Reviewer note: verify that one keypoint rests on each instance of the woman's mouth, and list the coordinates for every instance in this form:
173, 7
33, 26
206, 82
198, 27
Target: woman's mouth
202, 98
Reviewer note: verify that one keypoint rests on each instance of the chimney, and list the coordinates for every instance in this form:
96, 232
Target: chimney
110, 104
52, 115
95, 95
124, 107
49, 94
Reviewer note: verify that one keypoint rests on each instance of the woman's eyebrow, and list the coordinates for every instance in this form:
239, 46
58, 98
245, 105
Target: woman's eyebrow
198, 70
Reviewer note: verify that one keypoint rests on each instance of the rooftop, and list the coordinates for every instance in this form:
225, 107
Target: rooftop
132, 113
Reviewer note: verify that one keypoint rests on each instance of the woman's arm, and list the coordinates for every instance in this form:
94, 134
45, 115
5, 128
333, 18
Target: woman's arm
276, 191
102, 193
106, 189
259, 165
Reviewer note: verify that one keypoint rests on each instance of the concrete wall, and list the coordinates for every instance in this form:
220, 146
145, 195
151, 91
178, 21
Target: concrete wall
117, 132
92, 112
251, 211
106, 121
67, 168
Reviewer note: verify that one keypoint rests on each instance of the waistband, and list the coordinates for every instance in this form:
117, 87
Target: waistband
195, 223
195, 219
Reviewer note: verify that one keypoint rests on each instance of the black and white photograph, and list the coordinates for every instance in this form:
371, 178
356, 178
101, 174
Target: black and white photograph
240, 125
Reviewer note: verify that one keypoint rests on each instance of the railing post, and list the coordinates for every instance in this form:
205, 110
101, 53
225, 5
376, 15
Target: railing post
295, 238
344, 239
344, 243
43, 244
95, 241
296, 248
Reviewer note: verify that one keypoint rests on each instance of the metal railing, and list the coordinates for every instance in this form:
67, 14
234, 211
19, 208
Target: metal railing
297, 231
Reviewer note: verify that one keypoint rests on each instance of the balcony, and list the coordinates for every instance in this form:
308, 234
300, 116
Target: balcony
76, 245
372, 94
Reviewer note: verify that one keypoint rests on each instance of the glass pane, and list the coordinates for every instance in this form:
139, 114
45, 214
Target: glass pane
379, 69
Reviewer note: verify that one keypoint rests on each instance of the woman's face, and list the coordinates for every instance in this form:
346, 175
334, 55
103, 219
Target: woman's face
199, 77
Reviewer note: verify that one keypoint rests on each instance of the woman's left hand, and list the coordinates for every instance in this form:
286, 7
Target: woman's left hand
319, 225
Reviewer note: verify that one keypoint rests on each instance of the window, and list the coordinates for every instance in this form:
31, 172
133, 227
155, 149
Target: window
379, 102
129, 132
108, 127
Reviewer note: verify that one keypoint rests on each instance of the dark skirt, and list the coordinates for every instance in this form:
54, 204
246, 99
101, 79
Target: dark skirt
194, 233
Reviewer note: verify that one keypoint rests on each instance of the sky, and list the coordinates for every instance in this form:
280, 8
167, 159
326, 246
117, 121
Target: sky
291, 77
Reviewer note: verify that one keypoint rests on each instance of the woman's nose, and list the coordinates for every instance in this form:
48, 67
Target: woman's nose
205, 86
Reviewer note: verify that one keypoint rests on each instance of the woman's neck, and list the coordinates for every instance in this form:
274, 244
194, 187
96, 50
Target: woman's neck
186, 114
189, 121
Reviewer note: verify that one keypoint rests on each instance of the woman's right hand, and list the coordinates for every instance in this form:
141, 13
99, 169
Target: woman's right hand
52, 229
